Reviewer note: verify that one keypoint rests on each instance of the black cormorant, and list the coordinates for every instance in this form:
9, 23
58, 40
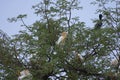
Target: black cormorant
98, 25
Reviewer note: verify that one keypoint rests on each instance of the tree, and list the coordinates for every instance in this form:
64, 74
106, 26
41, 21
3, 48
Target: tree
35, 47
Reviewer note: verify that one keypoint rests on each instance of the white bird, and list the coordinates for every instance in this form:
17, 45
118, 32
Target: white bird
62, 38
24, 74
80, 57
114, 62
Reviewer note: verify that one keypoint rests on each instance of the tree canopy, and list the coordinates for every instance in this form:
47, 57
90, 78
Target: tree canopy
35, 47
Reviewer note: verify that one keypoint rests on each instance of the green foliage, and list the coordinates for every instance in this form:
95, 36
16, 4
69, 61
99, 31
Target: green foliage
35, 48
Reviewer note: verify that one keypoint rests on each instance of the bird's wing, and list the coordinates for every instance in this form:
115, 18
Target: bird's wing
59, 40
80, 57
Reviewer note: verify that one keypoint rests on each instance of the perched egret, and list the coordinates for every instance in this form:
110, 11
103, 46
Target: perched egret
24, 74
80, 57
62, 38
114, 62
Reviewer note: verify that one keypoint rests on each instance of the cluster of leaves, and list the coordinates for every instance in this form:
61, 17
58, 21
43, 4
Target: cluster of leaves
35, 48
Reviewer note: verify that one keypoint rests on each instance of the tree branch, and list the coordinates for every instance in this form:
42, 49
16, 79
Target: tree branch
25, 24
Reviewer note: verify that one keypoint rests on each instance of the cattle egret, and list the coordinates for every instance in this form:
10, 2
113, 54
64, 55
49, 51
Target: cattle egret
80, 57
23, 74
62, 38
114, 62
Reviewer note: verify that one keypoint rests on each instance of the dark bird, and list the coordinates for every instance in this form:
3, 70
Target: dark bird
98, 25
100, 16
